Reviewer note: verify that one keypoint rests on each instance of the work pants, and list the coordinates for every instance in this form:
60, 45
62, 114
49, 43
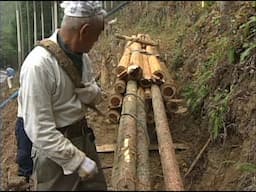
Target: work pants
49, 176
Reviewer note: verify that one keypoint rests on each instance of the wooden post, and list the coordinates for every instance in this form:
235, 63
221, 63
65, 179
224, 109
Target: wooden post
124, 169
143, 175
172, 177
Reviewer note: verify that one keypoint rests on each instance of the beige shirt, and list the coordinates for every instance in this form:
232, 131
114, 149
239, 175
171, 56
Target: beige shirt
48, 99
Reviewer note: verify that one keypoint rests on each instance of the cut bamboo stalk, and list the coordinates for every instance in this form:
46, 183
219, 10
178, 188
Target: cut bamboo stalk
168, 90
143, 174
136, 62
172, 177
146, 77
120, 86
115, 101
121, 69
113, 115
124, 169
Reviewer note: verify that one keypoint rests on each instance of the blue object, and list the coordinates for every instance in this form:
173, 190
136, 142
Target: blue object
10, 72
12, 97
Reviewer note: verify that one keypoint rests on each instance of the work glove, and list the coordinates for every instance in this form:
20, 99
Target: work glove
89, 94
87, 169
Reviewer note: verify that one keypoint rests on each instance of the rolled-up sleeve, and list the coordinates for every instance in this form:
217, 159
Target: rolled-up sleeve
37, 84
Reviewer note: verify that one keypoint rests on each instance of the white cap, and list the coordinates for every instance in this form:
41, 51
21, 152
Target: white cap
82, 8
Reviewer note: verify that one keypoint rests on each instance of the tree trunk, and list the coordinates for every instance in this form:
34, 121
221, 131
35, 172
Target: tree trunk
18, 34
28, 26
35, 22
21, 32
42, 19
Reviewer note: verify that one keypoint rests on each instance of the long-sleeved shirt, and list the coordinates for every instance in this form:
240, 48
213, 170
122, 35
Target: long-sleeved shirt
48, 100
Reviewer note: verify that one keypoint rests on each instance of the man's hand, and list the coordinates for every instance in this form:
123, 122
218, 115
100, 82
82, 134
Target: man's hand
87, 169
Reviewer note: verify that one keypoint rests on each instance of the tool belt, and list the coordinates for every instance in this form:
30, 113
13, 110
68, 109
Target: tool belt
77, 129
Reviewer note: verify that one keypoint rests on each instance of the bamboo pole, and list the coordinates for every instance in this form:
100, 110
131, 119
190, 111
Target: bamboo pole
168, 90
124, 169
115, 101
172, 177
175, 106
122, 66
120, 86
113, 115
135, 39
143, 175
154, 64
136, 63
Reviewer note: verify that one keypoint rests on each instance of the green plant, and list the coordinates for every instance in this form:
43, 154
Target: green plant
247, 167
217, 112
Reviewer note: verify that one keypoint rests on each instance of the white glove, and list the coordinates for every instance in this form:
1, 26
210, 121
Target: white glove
87, 169
90, 94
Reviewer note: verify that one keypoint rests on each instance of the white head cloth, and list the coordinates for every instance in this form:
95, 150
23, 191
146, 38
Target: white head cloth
82, 8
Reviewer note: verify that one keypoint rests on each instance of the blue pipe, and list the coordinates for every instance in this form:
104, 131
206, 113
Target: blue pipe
12, 97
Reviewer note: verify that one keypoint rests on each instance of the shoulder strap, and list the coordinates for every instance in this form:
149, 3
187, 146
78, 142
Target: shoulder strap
63, 60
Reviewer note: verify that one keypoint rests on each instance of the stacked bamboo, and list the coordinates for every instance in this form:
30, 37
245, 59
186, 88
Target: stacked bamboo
142, 91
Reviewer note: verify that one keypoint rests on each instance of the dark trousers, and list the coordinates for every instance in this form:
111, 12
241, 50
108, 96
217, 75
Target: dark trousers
24, 145
49, 176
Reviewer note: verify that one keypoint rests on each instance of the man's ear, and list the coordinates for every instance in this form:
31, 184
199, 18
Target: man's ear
84, 29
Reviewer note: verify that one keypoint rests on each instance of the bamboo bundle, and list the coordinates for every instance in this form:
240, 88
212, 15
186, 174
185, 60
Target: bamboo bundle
172, 177
120, 86
136, 62
122, 66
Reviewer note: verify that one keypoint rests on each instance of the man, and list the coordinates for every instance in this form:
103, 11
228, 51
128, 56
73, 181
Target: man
53, 109
10, 72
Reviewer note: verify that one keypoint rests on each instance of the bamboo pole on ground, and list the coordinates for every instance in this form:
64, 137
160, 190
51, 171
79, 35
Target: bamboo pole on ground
143, 178
124, 169
104, 75
147, 93
172, 177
